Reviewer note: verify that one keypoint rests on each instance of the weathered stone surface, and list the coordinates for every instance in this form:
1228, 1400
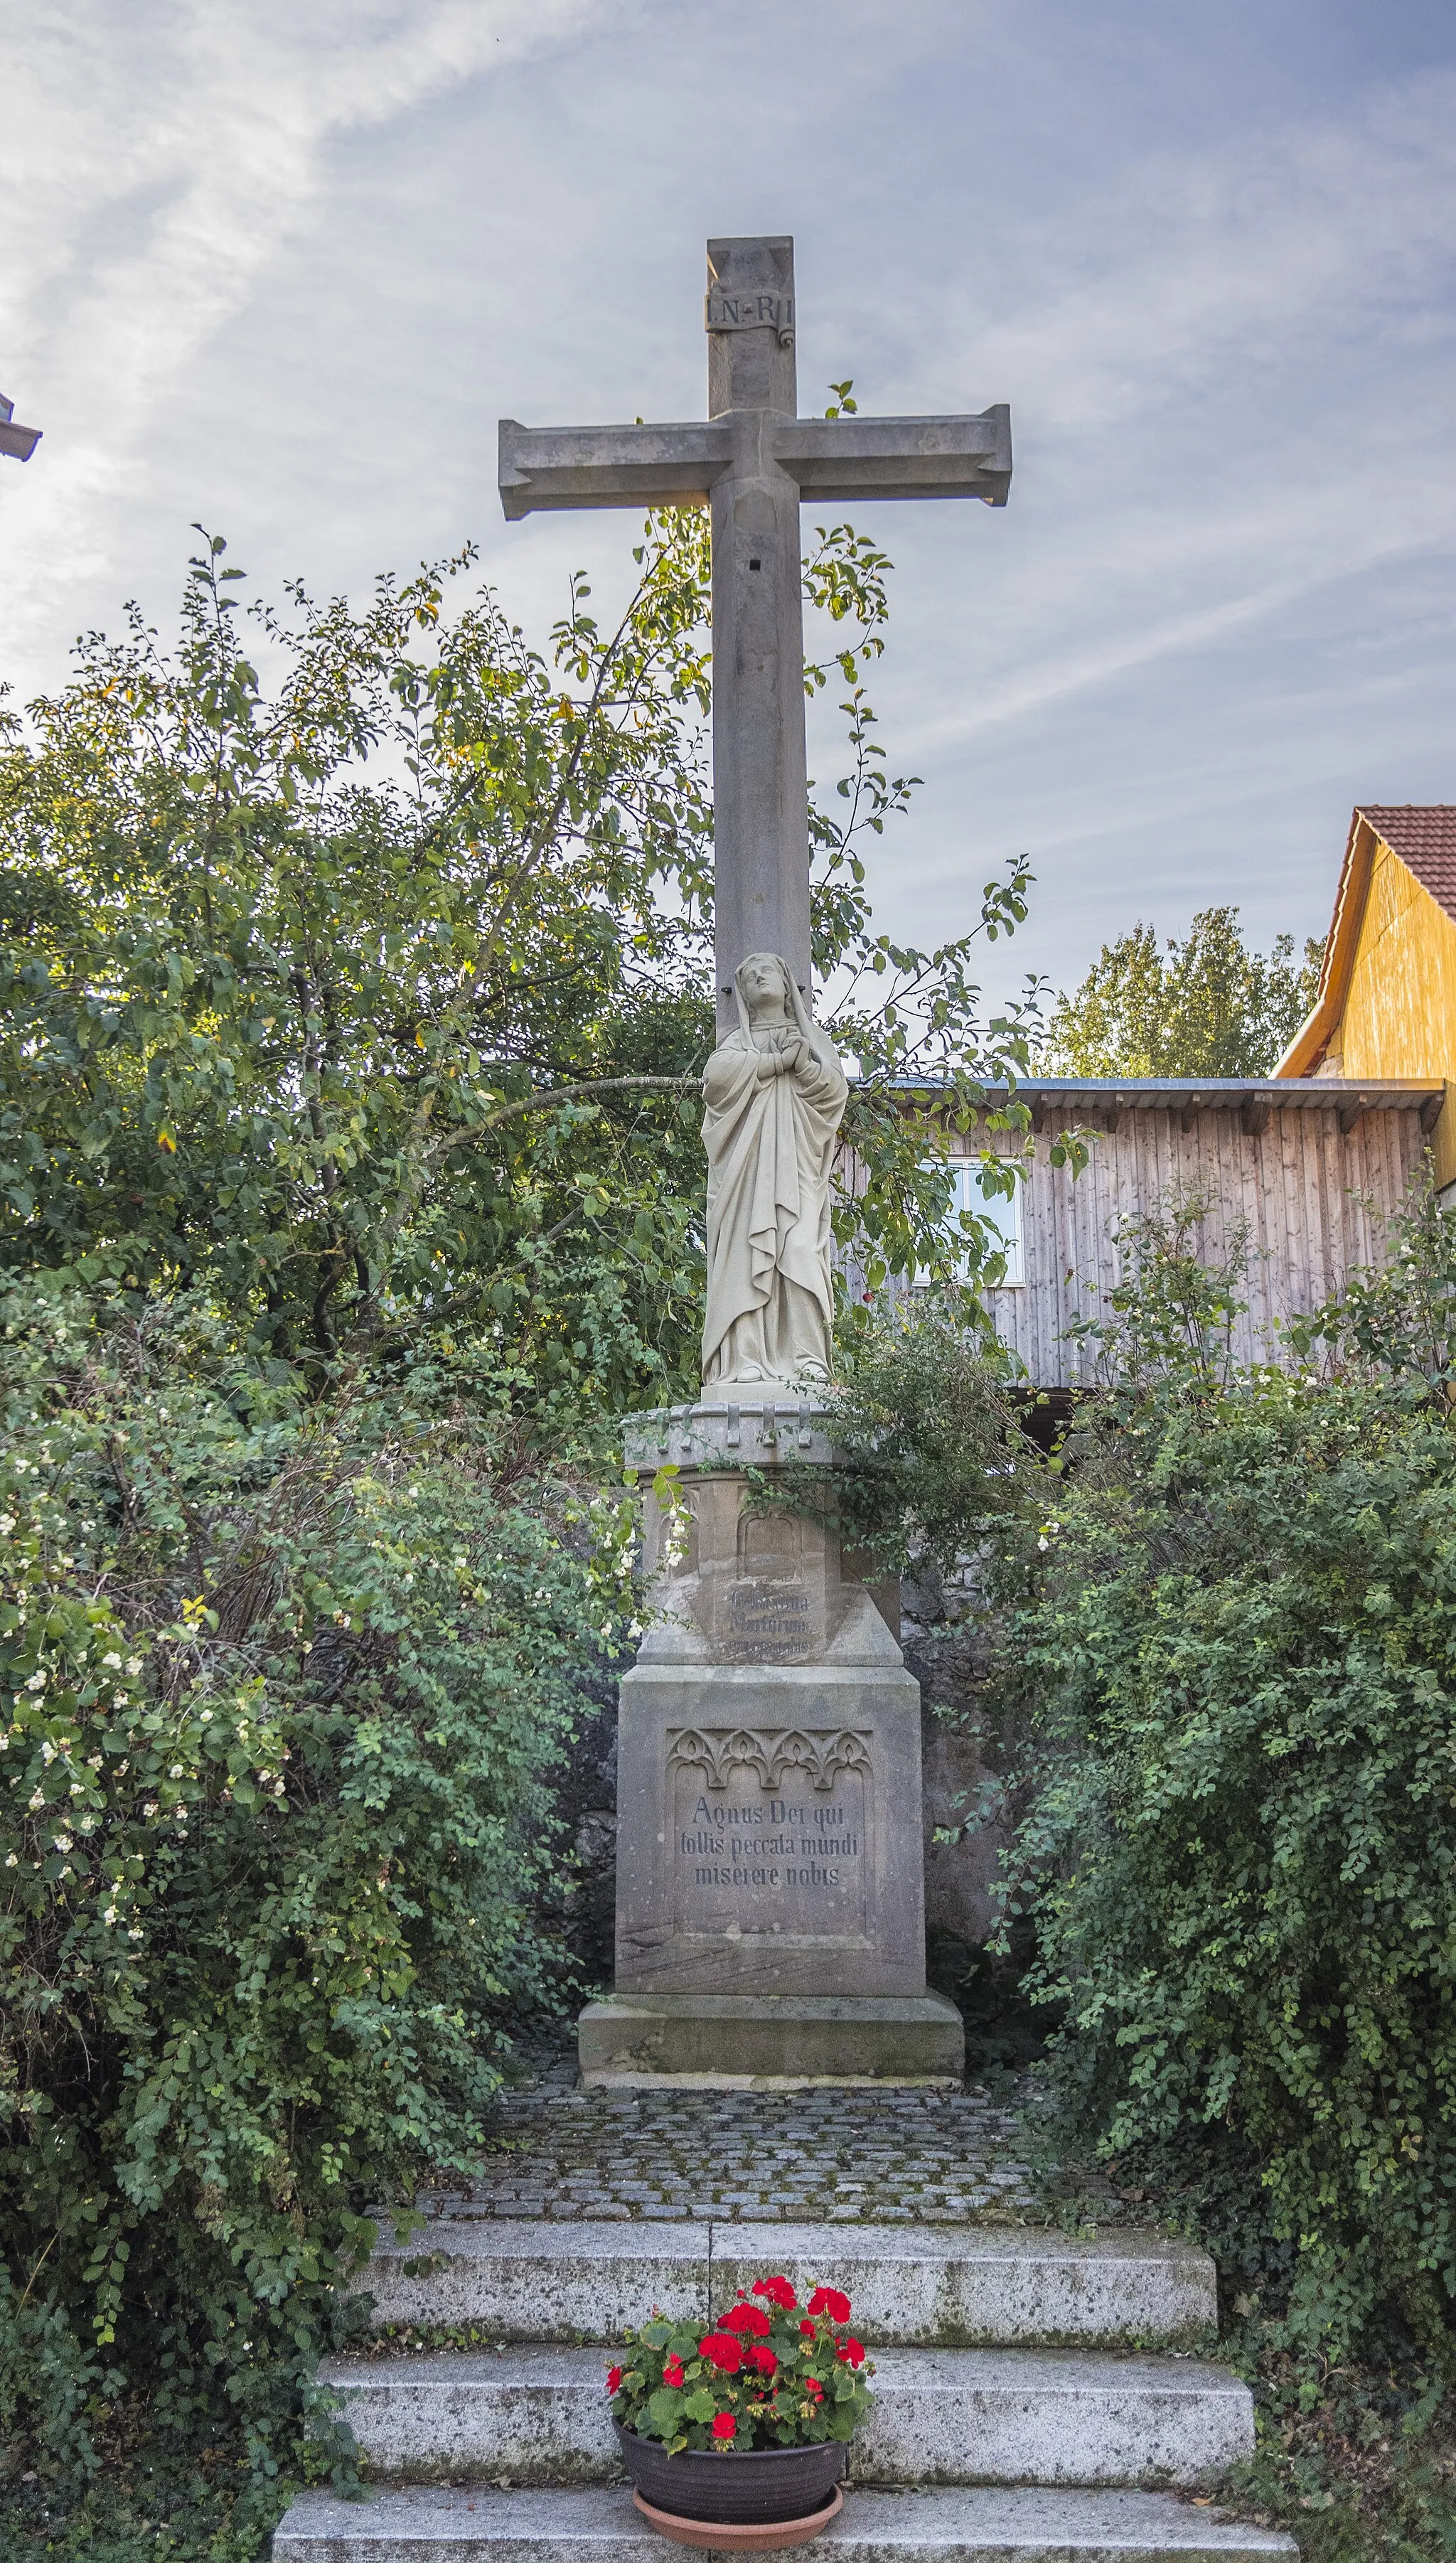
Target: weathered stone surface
1016, 2415
537, 2281
540, 2416
947, 2526
927, 2285
754, 462
768, 1824
631, 2041
969, 2286
734, 1586
462, 2526
769, 1830
769, 1777
743, 1430
954, 2416
770, 1818
774, 1094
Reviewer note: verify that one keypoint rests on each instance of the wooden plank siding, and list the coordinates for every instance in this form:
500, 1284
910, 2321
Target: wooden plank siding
1312, 1200
1386, 1000
1400, 1002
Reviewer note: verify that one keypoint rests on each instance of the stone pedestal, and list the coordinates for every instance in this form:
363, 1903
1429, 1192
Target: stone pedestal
771, 1906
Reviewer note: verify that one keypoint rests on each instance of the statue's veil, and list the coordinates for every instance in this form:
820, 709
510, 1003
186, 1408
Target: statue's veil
803, 1021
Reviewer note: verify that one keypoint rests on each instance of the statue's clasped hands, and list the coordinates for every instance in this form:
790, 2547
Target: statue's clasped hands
781, 1053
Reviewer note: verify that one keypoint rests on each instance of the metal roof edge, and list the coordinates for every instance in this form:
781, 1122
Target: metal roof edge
1294, 1091
1277, 1087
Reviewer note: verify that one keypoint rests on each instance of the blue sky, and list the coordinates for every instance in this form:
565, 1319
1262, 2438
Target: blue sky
281, 267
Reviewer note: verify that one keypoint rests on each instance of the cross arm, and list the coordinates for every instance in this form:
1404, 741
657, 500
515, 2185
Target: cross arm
21, 441
900, 458
609, 467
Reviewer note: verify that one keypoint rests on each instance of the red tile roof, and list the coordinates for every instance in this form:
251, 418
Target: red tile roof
1424, 838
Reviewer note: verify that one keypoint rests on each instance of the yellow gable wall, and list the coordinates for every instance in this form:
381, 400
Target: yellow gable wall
1400, 1015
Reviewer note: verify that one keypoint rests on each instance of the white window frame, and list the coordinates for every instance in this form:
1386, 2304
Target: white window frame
1001, 1209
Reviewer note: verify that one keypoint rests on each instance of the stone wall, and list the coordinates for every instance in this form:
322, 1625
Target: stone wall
963, 1756
586, 1811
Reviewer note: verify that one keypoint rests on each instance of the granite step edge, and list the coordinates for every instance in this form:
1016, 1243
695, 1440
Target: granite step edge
946, 2417
414, 2526
943, 2282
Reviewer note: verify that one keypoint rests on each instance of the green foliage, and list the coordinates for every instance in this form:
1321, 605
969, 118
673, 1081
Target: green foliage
284, 1680
1368, 2474
147, 2508
355, 999
1211, 1008
1241, 1865
375, 998
352, 1013
930, 1453
1164, 1331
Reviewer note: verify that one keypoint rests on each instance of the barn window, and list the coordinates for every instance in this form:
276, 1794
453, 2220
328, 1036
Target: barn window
999, 1211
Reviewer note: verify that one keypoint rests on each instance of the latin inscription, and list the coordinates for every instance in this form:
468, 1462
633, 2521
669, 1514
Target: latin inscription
770, 1623
756, 1861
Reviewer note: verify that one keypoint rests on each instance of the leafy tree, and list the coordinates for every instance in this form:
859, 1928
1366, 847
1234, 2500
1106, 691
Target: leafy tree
376, 1000
1219, 1614
1208, 1007
930, 1453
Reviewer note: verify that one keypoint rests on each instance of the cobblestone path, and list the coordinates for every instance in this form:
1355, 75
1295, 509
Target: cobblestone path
841, 2156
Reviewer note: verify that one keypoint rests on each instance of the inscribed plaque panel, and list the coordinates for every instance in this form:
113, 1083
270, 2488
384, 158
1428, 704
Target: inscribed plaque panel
751, 1859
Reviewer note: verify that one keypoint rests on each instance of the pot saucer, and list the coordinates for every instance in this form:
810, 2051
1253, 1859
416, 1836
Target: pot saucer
769, 2537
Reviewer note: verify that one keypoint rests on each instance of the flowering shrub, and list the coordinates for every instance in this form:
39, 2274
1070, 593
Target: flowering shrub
282, 1683
768, 2374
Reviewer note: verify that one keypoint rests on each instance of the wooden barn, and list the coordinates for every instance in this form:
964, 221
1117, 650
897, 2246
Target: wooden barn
1386, 1002
1308, 1171
1303, 1167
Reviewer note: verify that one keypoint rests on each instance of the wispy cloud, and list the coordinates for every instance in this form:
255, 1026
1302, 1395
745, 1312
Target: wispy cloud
1263, 248
157, 156
1238, 372
1206, 255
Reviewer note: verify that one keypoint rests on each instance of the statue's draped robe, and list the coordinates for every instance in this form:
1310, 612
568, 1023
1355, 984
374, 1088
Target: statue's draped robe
771, 1148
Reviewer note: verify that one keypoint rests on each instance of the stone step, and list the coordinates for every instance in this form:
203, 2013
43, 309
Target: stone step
950, 2416
962, 2285
421, 2526
949, 2286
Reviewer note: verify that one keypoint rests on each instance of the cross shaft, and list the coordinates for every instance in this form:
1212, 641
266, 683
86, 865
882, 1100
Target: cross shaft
753, 462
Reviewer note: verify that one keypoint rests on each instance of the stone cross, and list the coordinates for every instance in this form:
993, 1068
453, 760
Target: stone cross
753, 461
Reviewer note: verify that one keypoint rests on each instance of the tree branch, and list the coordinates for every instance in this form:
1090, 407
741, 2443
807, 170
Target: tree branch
557, 1094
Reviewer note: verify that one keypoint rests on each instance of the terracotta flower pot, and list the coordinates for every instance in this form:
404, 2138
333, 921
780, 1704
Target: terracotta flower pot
734, 2490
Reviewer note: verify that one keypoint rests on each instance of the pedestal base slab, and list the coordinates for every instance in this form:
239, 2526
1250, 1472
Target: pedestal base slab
763, 2042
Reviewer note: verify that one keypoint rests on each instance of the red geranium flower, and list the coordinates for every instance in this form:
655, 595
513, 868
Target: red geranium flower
813, 2389
672, 2373
614, 2379
724, 2426
852, 2352
762, 2360
831, 2301
778, 2291
809, 2329
751, 2318
723, 2350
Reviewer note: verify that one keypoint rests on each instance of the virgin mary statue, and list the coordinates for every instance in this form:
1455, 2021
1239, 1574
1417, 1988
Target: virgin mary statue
776, 1095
